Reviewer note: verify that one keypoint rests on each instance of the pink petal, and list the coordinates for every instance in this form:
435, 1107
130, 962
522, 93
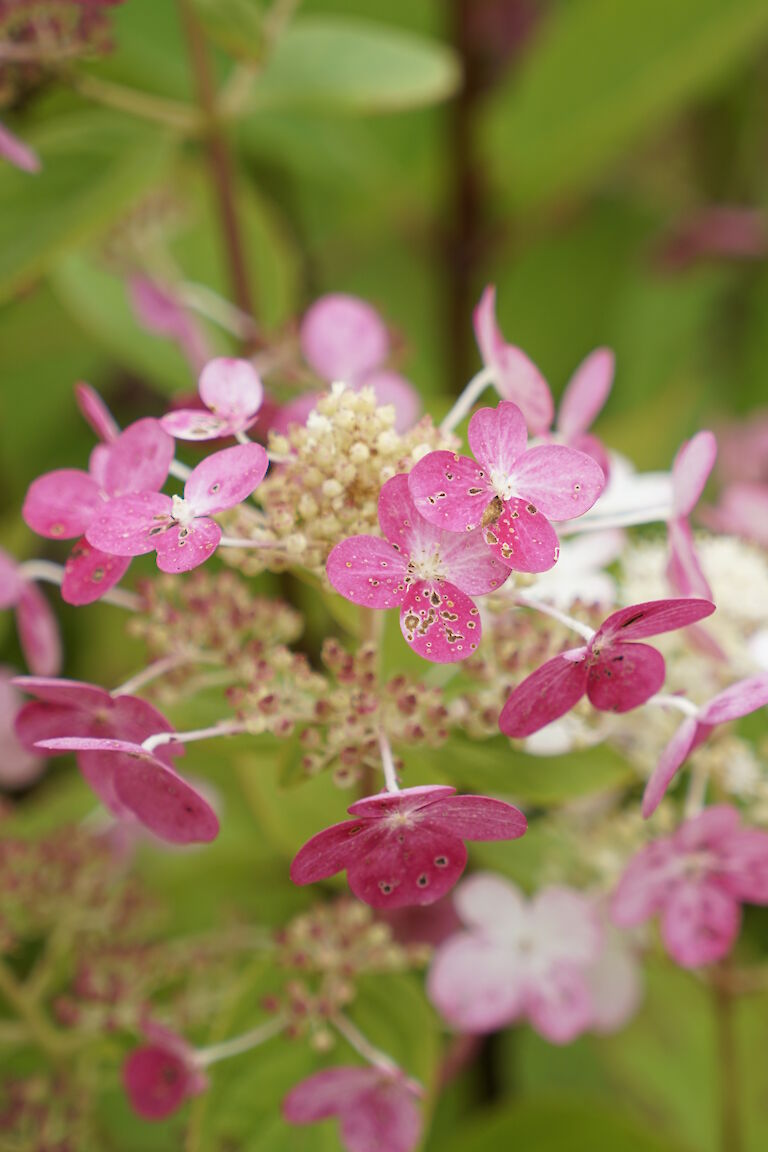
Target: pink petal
294, 412
70, 693
560, 481
586, 393
415, 863
385, 804
497, 437
624, 677
131, 525
673, 756
162, 801
139, 460
565, 926
742, 511
549, 692
11, 581
327, 1093
440, 622
224, 479
134, 719
62, 504
392, 388
343, 338
690, 471
197, 424
386, 1116
615, 986
160, 311
522, 538
646, 884
96, 412
559, 1006
700, 923
89, 573
492, 904
38, 632
742, 867
591, 446
684, 570
369, 571
232, 389
402, 523
707, 831
473, 985
477, 818
156, 1080
19, 767
520, 381
489, 338
738, 700
450, 491
18, 153
182, 549
651, 618
329, 851
468, 562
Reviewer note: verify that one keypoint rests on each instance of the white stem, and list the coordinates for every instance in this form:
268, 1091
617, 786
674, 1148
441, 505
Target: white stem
179, 470
229, 728
159, 668
238, 1044
549, 610
50, 573
364, 1047
656, 514
473, 391
242, 542
664, 700
388, 763
243, 438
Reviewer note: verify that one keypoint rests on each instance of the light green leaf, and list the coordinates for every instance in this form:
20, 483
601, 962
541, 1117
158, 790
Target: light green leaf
355, 66
602, 74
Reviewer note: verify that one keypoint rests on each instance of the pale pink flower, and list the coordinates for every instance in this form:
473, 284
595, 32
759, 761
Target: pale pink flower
742, 511
515, 377
17, 153
18, 766
428, 573
738, 700
690, 471
376, 1108
508, 491
159, 1076
231, 391
35, 622
180, 530
406, 847
743, 449
696, 880
615, 672
158, 310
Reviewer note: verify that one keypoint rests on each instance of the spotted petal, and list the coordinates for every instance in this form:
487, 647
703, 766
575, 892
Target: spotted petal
413, 864
651, 618
224, 479
139, 459
440, 622
231, 388
343, 338
522, 538
467, 561
130, 525
497, 437
548, 693
162, 801
368, 571
182, 549
329, 851
89, 573
450, 491
472, 984
561, 482
700, 923
586, 393
624, 677
62, 504
198, 424
477, 817
671, 759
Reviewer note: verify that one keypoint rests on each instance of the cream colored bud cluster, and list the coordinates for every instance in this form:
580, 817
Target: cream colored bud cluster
278, 689
344, 938
329, 487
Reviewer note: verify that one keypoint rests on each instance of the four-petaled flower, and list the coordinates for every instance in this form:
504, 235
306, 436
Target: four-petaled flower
430, 574
532, 959
231, 391
406, 847
35, 622
160, 1075
376, 1107
696, 881
515, 376
180, 530
736, 701
615, 672
507, 491
690, 471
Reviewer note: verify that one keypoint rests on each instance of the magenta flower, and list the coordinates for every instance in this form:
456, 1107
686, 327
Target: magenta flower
231, 391
738, 700
690, 471
19, 767
428, 573
517, 959
63, 504
696, 880
515, 377
582, 401
344, 338
507, 491
180, 530
162, 1074
159, 311
615, 672
35, 622
406, 847
18, 153
376, 1107
96, 413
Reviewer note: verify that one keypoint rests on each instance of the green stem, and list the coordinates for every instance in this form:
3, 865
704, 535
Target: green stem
141, 104
30, 1013
731, 1134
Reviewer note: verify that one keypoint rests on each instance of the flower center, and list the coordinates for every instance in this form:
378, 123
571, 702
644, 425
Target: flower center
182, 512
502, 484
425, 563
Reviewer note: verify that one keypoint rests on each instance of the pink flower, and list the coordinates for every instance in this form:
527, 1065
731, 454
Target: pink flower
515, 377
743, 449
64, 503
17, 153
376, 1108
696, 880
742, 511
74, 708
690, 471
719, 231
507, 491
161, 1075
582, 401
518, 959
344, 338
18, 766
738, 700
428, 573
149, 789
96, 413
158, 310
35, 622
406, 847
231, 391
178, 529
616, 673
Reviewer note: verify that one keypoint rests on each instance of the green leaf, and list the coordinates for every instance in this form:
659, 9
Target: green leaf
95, 164
603, 73
355, 66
